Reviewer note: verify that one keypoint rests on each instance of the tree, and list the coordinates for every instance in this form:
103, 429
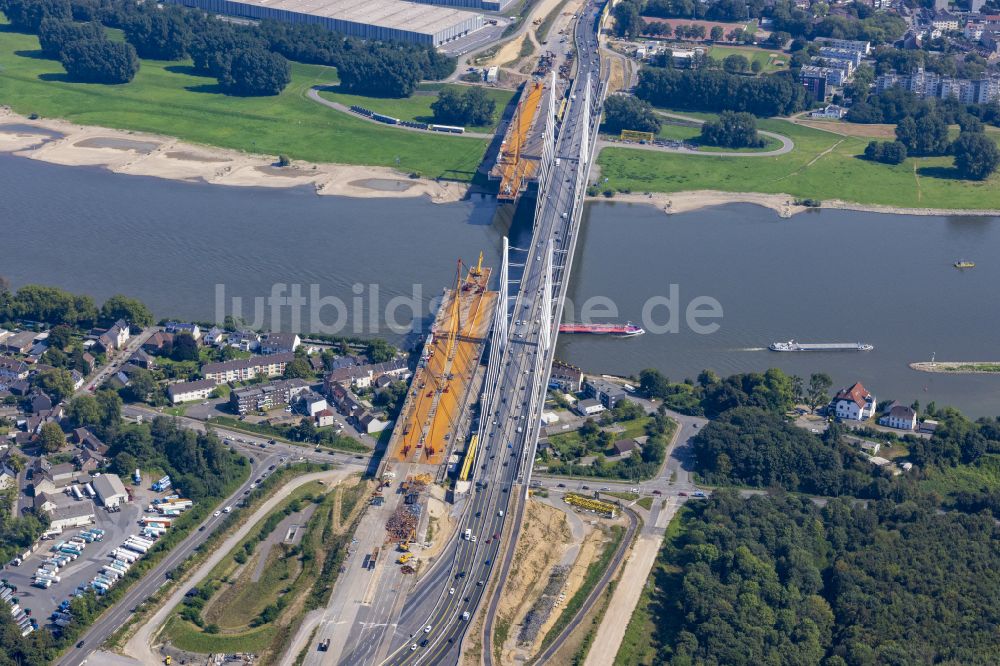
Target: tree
819, 389
654, 384
732, 130
185, 348
141, 385
716, 33
57, 383
83, 410
100, 61
158, 34
736, 63
925, 135
887, 152
380, 71
756, 67
380, 351
28, 15
60, 336
628, 20
55, 33
256, 72
976, 155
299, 367
471, 107
52, 437
133, 311
625, 112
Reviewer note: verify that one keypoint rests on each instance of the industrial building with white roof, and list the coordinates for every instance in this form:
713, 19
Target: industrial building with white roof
384, 20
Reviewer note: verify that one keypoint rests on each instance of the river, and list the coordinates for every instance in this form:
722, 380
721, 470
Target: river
823, 276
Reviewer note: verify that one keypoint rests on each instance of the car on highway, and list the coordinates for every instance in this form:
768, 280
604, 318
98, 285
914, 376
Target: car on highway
451, 590
413, 647
217, 514
427, 629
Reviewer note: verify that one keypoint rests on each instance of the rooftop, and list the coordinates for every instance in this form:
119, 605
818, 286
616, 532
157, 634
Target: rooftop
393, 14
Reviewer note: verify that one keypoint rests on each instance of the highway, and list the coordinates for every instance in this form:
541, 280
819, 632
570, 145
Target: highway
510, 421
262, 457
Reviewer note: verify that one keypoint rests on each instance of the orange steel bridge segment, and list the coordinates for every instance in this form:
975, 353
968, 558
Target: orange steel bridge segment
440, 387
514, 169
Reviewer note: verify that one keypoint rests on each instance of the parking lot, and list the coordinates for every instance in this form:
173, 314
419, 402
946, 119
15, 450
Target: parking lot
117, 527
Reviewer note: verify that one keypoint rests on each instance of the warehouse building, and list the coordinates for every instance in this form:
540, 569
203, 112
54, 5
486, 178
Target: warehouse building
486, 5
385, 20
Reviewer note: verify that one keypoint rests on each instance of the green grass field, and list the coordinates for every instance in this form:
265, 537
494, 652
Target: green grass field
770, 61
418, 106
169, 98
822, 165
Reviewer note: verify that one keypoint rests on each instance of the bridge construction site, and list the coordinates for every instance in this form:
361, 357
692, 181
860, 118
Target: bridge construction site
442, 385
526, 149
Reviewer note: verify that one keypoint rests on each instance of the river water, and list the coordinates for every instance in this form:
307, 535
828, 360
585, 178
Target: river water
825, 276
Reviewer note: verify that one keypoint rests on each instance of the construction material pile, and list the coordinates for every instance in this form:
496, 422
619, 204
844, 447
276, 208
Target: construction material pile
542, 609
402, 524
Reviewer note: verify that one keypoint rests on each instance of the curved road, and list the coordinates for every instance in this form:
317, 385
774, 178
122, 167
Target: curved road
313, 94
786, 144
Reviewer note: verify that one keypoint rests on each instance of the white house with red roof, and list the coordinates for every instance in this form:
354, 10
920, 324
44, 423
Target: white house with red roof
855, 403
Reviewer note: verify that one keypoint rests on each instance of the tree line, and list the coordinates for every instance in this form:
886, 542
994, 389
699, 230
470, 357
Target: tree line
59, 308
469, 107
245, 59
779, 580
714, 90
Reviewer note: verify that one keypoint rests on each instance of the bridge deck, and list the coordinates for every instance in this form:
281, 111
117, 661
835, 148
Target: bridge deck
440, 388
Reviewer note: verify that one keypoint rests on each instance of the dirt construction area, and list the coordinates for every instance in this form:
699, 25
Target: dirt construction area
554, 551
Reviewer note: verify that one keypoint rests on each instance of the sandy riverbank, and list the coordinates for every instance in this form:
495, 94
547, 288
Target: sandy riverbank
140, 154
783, 204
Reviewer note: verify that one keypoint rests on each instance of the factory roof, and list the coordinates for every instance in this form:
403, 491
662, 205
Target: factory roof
411, 16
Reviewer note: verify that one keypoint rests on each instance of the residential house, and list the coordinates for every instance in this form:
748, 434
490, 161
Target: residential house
12, 369
316, 362
625, 447
871, 448
345, 401
110, 490
8, 477
215, 336
88, 440
242, 370
371, 424
115, 337
89, 362
267, 396
78, 379
88, 460
59, 476
245, 340
854, 403
19, 343
607, 393
325, 418
589, 407
279, 343
311, 403
199, 389
899, 416
178, 327
159, 343
141, 359
40, 403
566, 377
20, 387
362, 376
927, 427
